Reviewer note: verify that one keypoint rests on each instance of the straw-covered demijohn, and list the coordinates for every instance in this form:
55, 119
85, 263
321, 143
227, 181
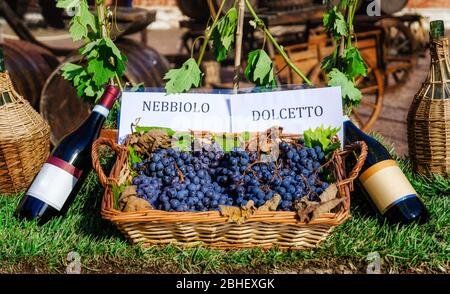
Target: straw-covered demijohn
24, 137
429, 115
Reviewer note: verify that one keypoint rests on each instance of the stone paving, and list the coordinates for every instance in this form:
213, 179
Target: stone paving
392, 121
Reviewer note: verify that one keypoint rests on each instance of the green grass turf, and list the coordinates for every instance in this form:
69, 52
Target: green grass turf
27, 247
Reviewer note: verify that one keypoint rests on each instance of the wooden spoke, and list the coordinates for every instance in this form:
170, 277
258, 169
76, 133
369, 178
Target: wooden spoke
368, 104
369, 90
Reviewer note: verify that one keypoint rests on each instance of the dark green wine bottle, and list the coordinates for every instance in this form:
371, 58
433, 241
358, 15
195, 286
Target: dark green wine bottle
5, 95
2, 61
382, 179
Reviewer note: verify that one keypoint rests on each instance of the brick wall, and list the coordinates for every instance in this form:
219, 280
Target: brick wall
429, 3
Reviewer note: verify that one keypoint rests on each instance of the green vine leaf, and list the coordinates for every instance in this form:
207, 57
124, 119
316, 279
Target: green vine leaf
354, 64
259, 69
350, 93
223, 34
328, 63
82, 22
322, 137
71, 71
334, 22
183, 79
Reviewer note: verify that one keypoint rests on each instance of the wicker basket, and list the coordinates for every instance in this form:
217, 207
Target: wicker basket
24, 140
263, 229
429, 116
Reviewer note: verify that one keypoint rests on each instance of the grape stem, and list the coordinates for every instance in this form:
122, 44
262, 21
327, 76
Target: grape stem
208, 33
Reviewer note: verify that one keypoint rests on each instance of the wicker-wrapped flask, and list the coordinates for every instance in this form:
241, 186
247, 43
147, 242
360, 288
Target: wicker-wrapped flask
429, 114
24, 137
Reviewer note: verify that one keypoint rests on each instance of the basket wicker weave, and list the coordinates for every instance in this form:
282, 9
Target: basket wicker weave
24, 139
429, 116
263, 229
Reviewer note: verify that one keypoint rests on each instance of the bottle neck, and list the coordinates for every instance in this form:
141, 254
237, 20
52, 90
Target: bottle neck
107, 101
2, 61
439, 50
102, 110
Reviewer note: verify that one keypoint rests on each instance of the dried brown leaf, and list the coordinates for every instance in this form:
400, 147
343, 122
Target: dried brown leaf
272, 204
326, 207
329, 194
238, 214
129, 201
305, 208
266, 141
136, 204
144, 143
127, 192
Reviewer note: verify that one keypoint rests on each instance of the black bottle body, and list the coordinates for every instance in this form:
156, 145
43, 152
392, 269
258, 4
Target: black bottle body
75, 151
383, 183
58, 182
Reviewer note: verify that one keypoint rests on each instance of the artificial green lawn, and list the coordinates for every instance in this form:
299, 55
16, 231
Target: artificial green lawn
27, 247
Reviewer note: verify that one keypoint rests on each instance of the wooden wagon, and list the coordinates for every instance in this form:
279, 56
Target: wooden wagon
389, 44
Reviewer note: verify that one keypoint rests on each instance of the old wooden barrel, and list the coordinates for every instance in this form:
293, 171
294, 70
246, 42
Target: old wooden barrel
387, 7
29, 67
64, 111
199, 9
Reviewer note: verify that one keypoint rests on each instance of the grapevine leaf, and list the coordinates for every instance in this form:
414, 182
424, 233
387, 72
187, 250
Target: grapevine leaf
110, 44
70, 71
79, 25
259, 69
133, 156
66, 4
349, 92
77, 30
120, 66
223, 34
86, 17
89, 91
340, 25
89, 46
321, 137
328, 63
101, 71
328, 19
183, 79
354, 64
334, 22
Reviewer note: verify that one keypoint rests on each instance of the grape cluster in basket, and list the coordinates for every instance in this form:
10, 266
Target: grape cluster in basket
173, 180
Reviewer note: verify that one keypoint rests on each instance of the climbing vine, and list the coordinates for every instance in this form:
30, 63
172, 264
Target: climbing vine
102, 62
222, 34
345, 64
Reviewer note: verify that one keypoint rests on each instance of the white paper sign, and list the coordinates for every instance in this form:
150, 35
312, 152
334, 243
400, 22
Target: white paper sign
180, 112
294, 110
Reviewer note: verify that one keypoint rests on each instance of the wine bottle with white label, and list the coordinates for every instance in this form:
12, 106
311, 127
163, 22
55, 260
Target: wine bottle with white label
384, 182
55, 186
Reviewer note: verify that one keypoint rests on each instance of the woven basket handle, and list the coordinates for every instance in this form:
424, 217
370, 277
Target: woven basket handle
119, 150
356, 146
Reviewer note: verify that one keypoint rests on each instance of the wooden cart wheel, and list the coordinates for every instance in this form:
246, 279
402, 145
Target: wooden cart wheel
372, 88
400, 50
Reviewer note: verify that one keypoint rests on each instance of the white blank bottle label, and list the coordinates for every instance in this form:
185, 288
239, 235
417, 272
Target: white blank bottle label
386, 184
54, 182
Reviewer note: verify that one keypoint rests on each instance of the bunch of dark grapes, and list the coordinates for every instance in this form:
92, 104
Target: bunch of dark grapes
172, 180
179, 181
